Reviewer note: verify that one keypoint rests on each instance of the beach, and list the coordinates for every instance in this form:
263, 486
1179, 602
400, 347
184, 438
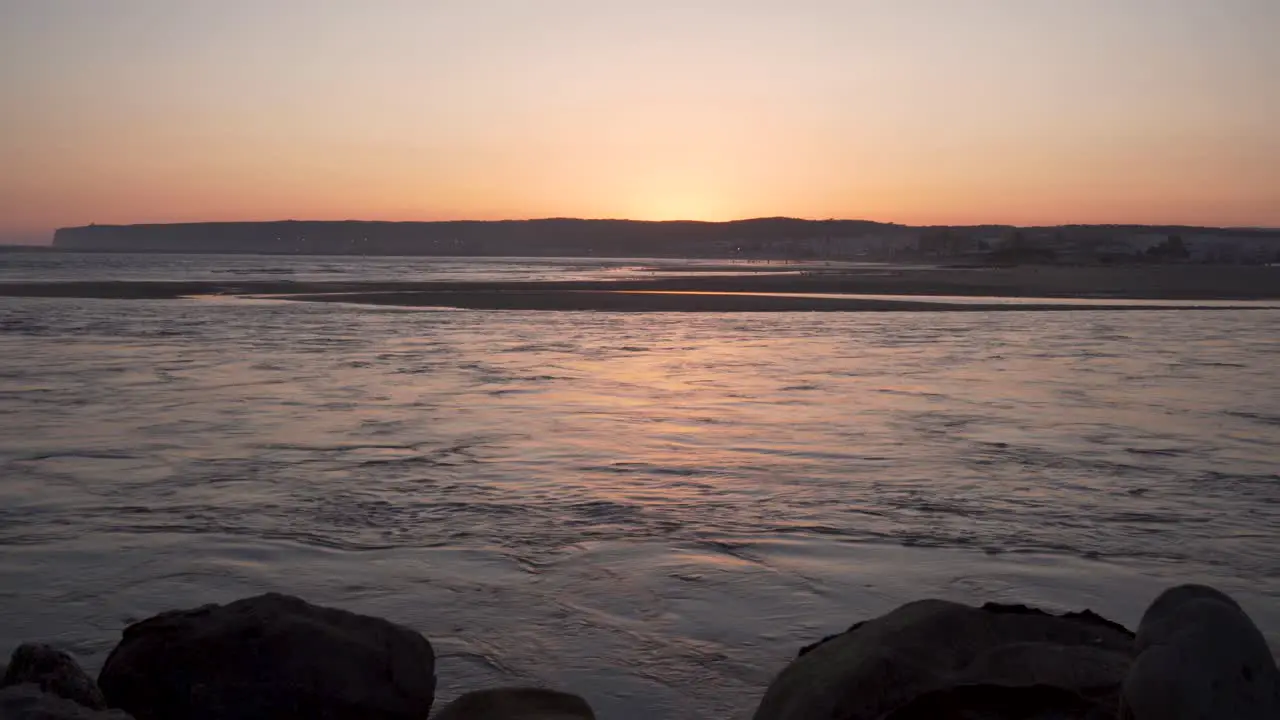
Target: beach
812, 288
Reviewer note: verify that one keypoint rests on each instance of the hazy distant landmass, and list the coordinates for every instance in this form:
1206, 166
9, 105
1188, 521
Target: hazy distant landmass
557, 236
764, 237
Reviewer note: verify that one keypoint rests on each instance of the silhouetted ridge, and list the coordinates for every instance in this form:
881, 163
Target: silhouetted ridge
568, 237
554, 236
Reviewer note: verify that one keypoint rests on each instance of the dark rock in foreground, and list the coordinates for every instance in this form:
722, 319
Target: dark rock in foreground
937, 659
517, 704
53, 672
1200, 656
270, 657
1197, 655
29, 702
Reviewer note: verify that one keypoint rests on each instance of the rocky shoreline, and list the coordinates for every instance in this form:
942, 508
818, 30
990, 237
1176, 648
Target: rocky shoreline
1196, 654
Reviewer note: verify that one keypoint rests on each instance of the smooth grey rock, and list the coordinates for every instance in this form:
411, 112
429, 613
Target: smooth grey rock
1200, 657
938, 659
29, 702
271, 657
55, 672
517, 704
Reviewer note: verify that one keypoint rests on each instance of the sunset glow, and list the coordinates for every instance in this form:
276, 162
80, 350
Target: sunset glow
920, 111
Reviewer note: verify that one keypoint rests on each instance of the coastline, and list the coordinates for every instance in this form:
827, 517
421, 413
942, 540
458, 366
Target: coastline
694, 302
919, 289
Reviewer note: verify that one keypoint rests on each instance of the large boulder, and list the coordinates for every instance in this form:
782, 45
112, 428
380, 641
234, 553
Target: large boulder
1200, 657
517, 704
54, 672
29, 702
271, 657
938, 659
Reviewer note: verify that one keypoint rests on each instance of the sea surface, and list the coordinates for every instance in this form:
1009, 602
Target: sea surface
50, 266
652, 510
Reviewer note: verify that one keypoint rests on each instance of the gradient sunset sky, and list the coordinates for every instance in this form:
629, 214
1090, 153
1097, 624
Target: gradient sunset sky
914, 111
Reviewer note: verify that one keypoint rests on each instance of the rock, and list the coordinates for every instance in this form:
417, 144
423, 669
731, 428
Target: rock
29, 702
1200, 656
983, 702
938, 659
54, 672
270, 657
517, 704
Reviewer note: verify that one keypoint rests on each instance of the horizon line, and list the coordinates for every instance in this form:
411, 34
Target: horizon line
683, 221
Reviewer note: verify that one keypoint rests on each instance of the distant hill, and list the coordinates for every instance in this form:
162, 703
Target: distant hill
556, 236
762, 237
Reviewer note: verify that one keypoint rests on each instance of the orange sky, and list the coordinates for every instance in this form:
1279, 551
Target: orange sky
916, 111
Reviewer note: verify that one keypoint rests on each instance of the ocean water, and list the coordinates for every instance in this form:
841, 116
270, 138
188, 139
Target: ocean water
47, 266
655, 511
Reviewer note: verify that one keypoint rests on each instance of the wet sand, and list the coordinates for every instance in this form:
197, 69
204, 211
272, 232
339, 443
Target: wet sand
1182, 283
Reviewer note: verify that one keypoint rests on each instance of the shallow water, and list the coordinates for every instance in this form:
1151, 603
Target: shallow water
1083, 303
238, 268
652, 510
50, 266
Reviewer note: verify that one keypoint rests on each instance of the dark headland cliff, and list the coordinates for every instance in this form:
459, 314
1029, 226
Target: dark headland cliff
463, 237
763, 237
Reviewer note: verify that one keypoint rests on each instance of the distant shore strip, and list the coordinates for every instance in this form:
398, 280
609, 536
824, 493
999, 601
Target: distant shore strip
707, 294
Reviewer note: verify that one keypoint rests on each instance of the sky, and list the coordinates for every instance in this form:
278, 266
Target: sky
912, 111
